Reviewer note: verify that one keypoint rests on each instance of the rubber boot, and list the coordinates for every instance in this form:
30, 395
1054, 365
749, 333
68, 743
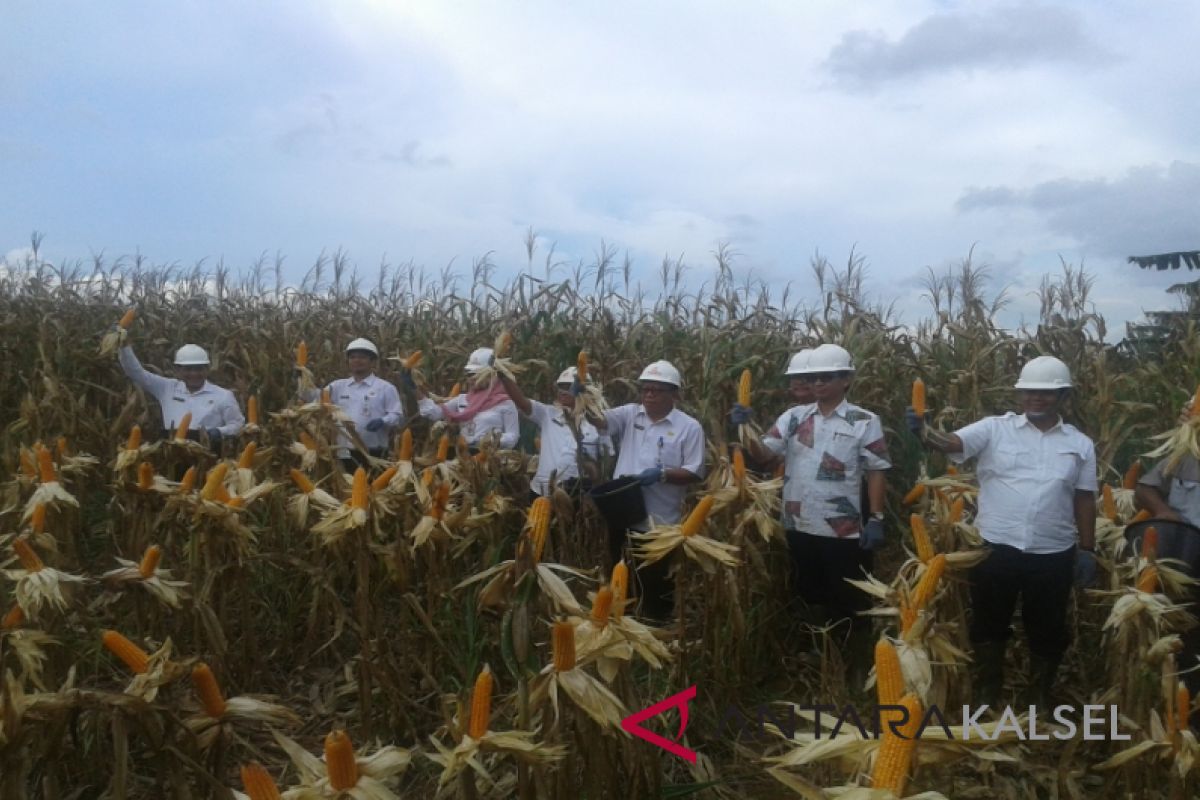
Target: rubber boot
1044, 672
989, 673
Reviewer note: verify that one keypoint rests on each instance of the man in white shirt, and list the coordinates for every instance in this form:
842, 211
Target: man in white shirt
372, 404
664, 449
1037, 513
214, 410
1172, 492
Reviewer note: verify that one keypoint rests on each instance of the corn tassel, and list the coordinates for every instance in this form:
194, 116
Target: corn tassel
739, 466
539, 526
581, 367
208, 690
918, 397
406, 445
743, 392
37, 520
564, 646
185, 424
340, 762
14, 617
252, 410
258, 783
30, 560
1150, 543
928, 583
696, 519
921, 539
889, 679
145, 476
481, 704
358, 494
602, 606
130, 654
896, 750
135, 438
1107, 503
440, 500
302, 354
956, 510
619, 583
302, 481
443, 448
385, 477
914, 494
413, 360
149, 562
247, 458
45, 463
127, 319
1148, 580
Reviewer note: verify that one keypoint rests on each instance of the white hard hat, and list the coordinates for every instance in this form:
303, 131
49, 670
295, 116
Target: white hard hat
1044, 372
662, 372
191, 355
479, 359
798, 362
363, 344
567, 375
827, 358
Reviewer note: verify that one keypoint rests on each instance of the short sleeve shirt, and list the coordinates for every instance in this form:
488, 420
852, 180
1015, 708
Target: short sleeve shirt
559, 451
1181, 487
1028, 479
675, 441
824, 461
365, 400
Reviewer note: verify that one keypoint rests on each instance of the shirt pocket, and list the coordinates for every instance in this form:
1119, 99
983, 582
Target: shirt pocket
1065, 465
1008, 459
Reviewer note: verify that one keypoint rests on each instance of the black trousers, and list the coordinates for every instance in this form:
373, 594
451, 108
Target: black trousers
820, 565
1041, 581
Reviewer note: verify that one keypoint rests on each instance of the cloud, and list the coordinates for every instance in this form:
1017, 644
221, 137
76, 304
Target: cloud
1007, 37
1150, 209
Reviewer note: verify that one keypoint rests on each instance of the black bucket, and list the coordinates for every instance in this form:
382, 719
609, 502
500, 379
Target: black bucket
1175, 540
620, 502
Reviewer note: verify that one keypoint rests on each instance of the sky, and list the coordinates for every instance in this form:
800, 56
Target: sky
908, 133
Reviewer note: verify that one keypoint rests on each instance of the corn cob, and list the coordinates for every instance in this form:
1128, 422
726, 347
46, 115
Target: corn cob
1140, 516
307, 440
462, 451
889, 680
456, 390
1194, 408
14, 617
326, 397
1183, 710
581, 367
130, 654
302, 354
385, 477
743, 392
252, 410
601, 606
443, 448
921, 539
145, 476
564, 646
739, 466
214, 483
951, 470
208, 690
440, 500
928, 583
246, 461
1150, 543
358, 493
340, 762
127, 319
406, 446
46, 472
918, 397
481, 704
696, 519
1131, 475
619, 582
539, 526
413, 360
135, 438
427, 477
503, 344
1107, 504
149, 562
908, 615
956, 510
181, 430
258, 783
914, 494
37, 520
302, 482
1148, 580
60, 447
896, 750
237, 501
30, 560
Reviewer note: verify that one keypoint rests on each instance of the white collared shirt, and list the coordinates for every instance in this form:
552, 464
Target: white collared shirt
501, 417
365, 400
675, 441
559, 454
210, 406
1028, 480
824, 461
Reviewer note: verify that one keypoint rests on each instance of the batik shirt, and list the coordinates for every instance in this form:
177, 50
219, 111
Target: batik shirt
824, 462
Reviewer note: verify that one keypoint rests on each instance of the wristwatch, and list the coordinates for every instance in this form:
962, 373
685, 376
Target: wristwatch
877, 515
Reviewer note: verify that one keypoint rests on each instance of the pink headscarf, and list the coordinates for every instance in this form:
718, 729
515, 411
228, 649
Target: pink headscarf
477, 400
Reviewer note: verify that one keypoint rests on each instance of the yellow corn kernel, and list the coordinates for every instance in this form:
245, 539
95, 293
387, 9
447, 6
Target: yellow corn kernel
30, 560
889, 679
214, 483
252, 410
696, 519
237, 501
406, 445
619, 583
145, 476
340, 762
581, 367
37, 520
908, 615
443, 448
1183, 709
1148, 580
918, 397
481, 704
302, 482
14, 617
188, 480
247, 458
149, 562
743, 393
739, 466
928, 583
308, 441
135, 438
302, 354
601, 606
385, 477
503, 344
1107, 504
563, 646
208, 691
127, 319
921, 539
896, 750
914, 494
1140, 516
1150, 542
358, 494
258, 783
956, 510
60, 447
45, 466
455, 390
539, 525
951, 470
413, 360
427, 478
185, 424
326, 397
130, 654
441, 499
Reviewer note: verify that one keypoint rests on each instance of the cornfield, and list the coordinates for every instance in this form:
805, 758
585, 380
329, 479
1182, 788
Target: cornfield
183, 624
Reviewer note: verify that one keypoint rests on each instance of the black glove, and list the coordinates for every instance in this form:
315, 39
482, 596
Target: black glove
214, 437
740, 414
651, 476
406, 378
375, 424
1085, 569
915, 423
871, 537
576, 387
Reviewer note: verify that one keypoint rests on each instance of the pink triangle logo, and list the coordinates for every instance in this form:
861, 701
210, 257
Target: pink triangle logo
632, 724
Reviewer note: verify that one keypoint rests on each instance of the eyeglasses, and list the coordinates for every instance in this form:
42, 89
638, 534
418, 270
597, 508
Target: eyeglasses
821, 377
655, 389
